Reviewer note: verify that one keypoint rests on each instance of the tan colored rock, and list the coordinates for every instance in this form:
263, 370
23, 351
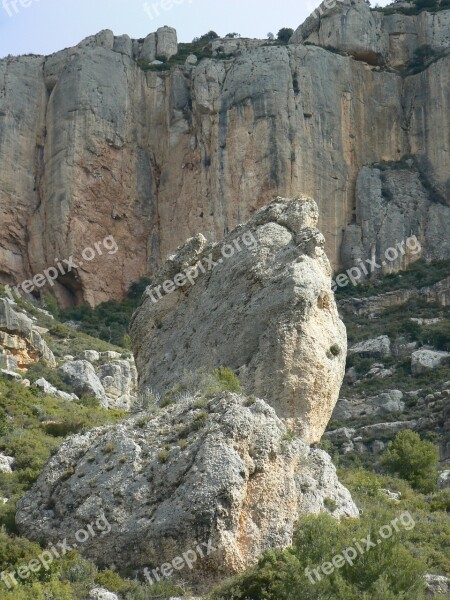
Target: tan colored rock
168, 155
267, 312
20, 340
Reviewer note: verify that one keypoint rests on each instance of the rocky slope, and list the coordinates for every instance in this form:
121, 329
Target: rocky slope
96, 140
109, 377
398, 369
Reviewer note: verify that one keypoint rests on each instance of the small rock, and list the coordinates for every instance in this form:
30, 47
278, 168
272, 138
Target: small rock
351, 376
444, 480
6, 463
8, 362
378, 446
48, 388
436, 585
394, 496
102, 594
110, 355
191, 60
10, 375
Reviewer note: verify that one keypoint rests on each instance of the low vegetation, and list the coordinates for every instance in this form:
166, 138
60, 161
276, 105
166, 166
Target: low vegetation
382, 572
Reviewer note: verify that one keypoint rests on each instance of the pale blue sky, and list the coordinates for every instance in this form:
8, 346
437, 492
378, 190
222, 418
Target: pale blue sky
45, 26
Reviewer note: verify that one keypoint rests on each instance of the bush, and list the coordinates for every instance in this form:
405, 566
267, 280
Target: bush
421, 4
384, 572
227, 379
211, 35
413, 460
285, 34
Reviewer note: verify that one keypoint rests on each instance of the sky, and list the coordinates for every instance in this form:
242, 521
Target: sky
46, 26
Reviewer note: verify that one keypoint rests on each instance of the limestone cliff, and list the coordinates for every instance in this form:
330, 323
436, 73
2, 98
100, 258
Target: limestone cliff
91, 144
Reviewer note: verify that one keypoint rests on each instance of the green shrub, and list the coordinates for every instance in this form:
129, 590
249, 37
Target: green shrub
413, 460
383, 572
285, 34
227, 379
421, 4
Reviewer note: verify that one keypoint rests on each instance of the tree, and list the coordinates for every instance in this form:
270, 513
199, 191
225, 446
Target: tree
420, 4
412, 459
270, 36
211, 35
233, 36
285, 34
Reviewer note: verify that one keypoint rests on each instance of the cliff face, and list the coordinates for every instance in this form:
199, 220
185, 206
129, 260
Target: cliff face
91, 145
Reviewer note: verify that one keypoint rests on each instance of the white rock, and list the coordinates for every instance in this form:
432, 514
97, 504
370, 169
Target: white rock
10, 375
166, 42
102, 594
91, 356
444, 480
6, 463
377, 347
81, 376
191, 60
436, 585
48, 388
110, 355
426, 360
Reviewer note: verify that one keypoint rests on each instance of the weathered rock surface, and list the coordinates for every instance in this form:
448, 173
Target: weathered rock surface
20, 343
105, 375
6, 463
102, 594
398, 221
436, 294
48, 388
426, 360
226, 137
386, 403
377, 348
436, 585
119, 380
370, 35
227, 473
81, 376
267, 312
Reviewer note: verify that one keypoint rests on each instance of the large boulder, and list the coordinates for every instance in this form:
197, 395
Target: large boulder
119, 380
221, 469
81, 376
376, 348
166, 42
350, 26
426, 360
387, 402
259, 303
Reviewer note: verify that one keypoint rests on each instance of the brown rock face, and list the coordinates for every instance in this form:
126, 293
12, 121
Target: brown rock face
93, 146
